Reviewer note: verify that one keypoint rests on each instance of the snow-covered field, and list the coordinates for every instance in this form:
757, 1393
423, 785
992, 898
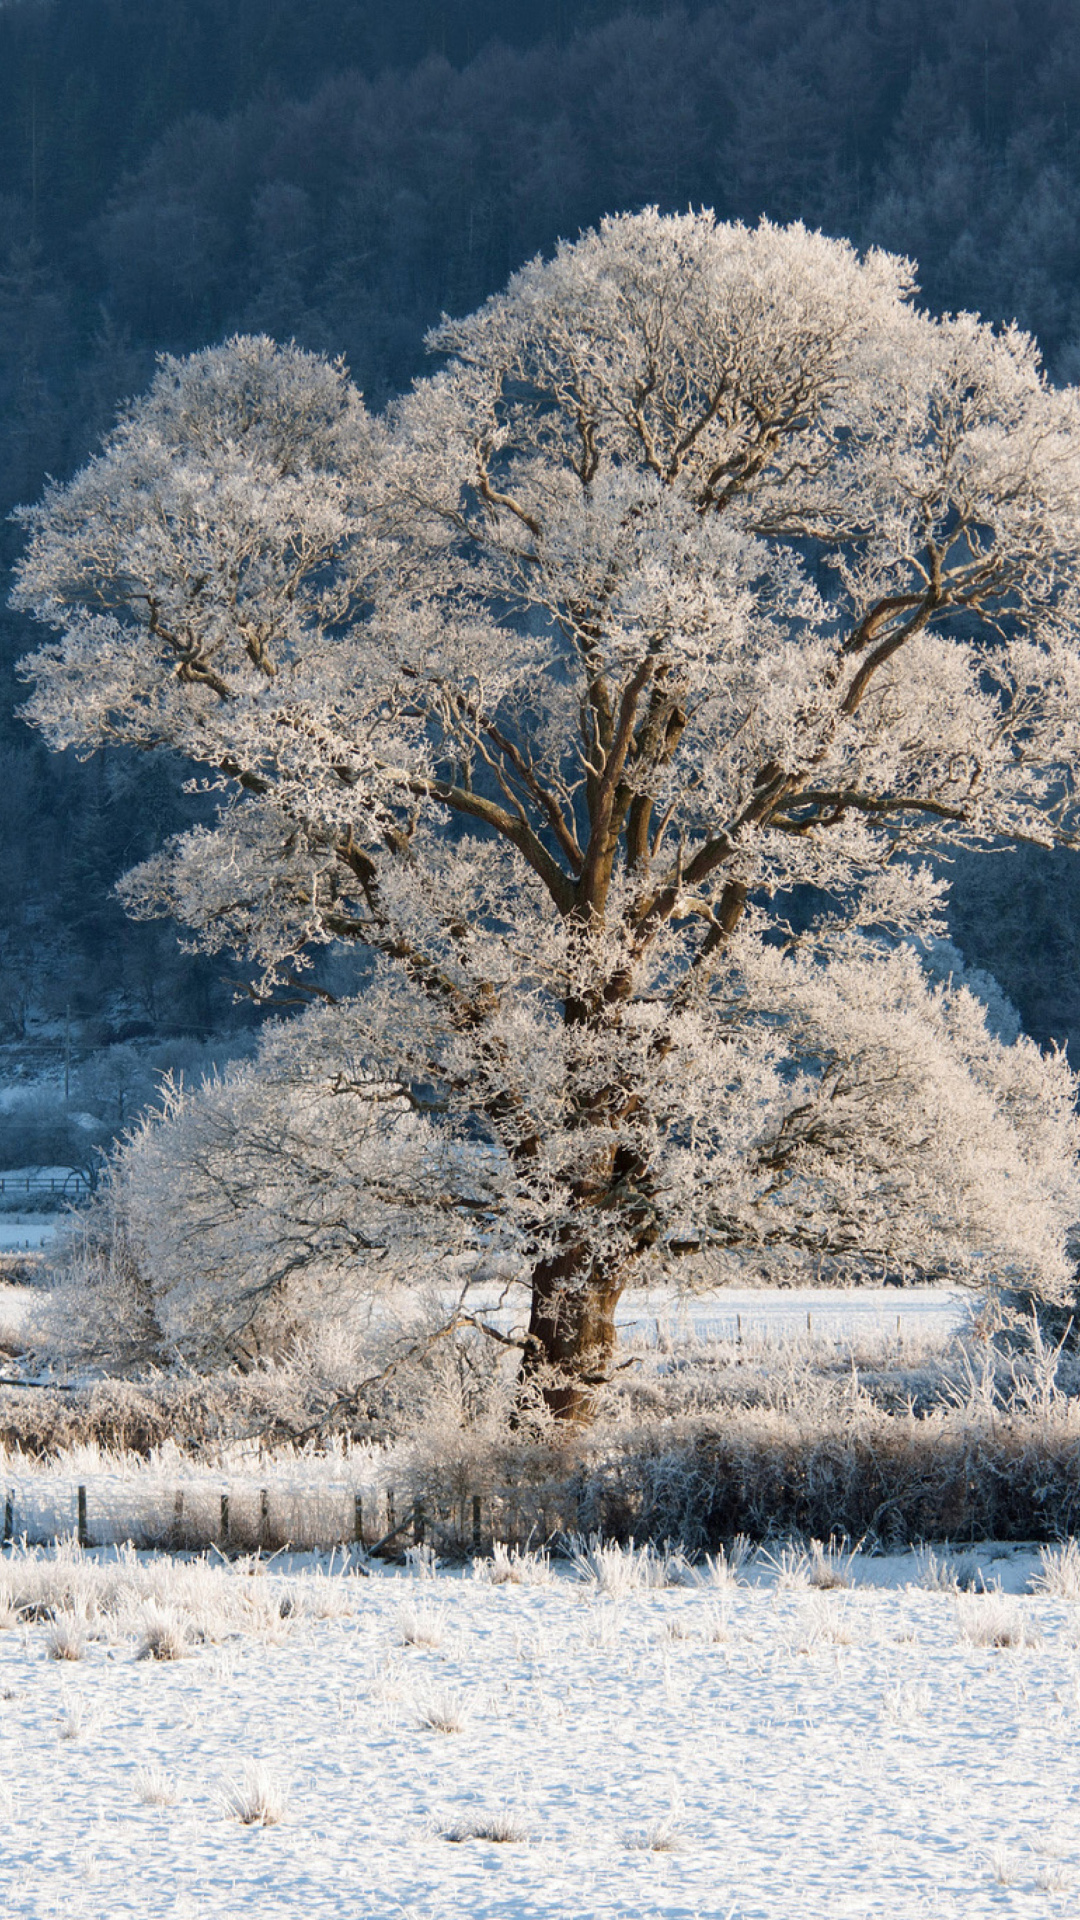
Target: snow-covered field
27, 1233
447, 1746
781, 1313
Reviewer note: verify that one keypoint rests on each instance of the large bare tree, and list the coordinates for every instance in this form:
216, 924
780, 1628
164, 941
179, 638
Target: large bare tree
616, 692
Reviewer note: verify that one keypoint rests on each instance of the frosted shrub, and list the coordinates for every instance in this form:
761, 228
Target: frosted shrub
1059, 1571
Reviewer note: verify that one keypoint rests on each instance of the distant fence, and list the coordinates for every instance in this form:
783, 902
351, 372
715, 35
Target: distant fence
242, 1518
71, 1186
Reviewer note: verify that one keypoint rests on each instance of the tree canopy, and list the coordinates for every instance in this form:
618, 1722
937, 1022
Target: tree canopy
614, 690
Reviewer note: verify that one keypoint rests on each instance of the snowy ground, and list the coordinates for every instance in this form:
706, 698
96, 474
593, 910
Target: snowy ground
777, 1313
754, 1752
27, 1233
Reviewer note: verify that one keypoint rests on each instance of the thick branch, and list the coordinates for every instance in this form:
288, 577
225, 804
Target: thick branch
598, 853
514, 829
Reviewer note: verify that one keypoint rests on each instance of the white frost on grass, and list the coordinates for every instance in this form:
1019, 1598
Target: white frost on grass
615, 1570
1059, 1571
161, 1605
990, 1620
514, 1566
839, 1755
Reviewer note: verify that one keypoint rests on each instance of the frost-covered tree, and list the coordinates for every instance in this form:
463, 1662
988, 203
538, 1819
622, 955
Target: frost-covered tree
614, 691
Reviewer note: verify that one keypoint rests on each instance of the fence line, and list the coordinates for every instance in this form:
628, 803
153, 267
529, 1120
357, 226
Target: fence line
72, 1183
245, 1520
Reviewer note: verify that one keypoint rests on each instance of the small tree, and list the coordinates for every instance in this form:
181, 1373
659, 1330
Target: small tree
613, 692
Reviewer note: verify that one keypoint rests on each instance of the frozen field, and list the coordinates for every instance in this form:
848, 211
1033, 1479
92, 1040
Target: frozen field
27, 1233
753, 1752
838, 1314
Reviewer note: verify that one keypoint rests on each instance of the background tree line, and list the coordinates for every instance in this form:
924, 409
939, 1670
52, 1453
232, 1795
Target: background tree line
340, 174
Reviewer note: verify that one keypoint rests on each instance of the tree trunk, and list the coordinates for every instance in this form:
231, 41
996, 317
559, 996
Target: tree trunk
571, 1338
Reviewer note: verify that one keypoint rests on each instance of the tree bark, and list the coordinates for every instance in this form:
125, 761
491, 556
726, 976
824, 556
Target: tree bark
571, 1340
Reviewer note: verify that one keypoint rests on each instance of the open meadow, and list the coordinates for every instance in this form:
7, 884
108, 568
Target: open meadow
717, 1730
803, 1734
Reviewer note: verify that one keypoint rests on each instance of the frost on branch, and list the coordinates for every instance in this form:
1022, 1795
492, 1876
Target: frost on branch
617, 692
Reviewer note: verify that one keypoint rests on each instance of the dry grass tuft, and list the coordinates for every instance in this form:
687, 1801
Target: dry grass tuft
616, 1570
443, 1713
790, 1566
75, 1720
831, 1565
1052, 1877
506, 1827
1059, 1573
905, 1706
661, 1836
514, 1566
421, 1625
165, 1605
990, 1620
67, 1637
258, 1798
155, 1787
725, 1567
165, 1635
1006, 1867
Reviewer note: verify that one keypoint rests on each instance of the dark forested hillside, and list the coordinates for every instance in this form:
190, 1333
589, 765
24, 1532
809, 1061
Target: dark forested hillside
340, 172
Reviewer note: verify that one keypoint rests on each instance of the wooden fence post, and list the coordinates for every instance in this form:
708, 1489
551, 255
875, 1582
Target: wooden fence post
225, 1519
83, 1532
476, 1537
418, 1522
9, 1517
264, 1516
358, 1520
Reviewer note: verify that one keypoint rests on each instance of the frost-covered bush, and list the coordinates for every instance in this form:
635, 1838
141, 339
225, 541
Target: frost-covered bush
268, 1204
